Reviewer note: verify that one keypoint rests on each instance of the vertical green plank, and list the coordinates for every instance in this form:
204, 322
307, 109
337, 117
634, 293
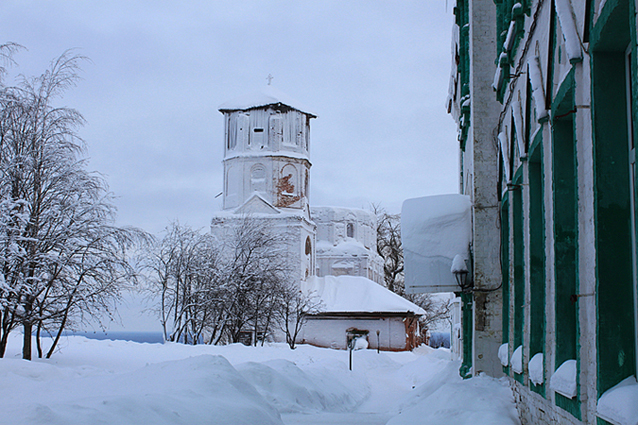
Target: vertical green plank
519, 264
468, 325
537, 257
505, 266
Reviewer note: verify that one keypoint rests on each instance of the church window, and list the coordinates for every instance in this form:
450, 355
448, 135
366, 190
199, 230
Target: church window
289, 180
276, 130
243, 129
258, 178
350, 230
308, 246
231, 132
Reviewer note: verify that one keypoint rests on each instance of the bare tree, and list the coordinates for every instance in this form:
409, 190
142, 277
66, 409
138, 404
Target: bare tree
256, 270
61, 255
390, 248
186, 272
296, 306
215, 289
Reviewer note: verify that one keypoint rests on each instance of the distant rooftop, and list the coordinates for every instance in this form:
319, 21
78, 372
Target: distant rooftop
265, 97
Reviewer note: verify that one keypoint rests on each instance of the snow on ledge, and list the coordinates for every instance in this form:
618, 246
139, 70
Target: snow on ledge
536, 369
538, 92
503, 354
568, 26
563, 381
517, 359
619, 404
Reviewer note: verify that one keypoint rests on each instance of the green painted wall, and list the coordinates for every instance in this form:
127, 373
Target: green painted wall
616, 345
565, 199
537, 255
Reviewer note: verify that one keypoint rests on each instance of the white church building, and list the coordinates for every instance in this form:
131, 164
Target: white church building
267, 175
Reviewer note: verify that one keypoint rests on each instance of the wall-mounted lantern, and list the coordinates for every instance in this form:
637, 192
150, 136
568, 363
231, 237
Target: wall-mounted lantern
461, 273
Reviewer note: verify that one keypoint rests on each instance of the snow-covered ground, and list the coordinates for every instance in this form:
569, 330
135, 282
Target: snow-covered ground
120, 382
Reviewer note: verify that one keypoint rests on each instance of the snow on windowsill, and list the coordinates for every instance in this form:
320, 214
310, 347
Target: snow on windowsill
517, 360
503, 354
619, 404
563, 381
536, 369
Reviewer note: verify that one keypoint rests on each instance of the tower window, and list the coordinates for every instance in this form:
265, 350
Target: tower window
350, 230
258, 130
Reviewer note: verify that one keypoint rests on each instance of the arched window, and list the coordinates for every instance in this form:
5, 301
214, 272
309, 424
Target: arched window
258, 178
350, 230
289, 178
308, 246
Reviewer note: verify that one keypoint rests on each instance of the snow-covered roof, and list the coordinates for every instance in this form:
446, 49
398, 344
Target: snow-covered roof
356, 294
265, 97
434, 230
345, 248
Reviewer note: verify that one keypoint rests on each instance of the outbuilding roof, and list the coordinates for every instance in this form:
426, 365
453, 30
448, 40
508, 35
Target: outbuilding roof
356, 294
265, 97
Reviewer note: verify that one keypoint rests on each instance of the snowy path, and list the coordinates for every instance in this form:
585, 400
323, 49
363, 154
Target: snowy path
96, 382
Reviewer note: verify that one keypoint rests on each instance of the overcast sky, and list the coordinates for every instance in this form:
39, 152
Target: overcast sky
375, 72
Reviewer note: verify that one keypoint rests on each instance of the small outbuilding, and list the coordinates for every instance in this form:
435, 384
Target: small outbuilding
357, 305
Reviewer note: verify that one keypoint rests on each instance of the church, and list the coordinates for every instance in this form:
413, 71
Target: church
333, 249
267, 176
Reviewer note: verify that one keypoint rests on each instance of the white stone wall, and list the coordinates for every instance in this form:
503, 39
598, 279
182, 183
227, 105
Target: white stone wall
266, 151
481, 172
347, 243
294, 229
332, 223
331, 332
534, 409
246, 175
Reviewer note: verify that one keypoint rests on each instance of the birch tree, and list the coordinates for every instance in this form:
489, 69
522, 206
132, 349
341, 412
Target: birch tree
214, 290
186, 272
60, 253
256, 270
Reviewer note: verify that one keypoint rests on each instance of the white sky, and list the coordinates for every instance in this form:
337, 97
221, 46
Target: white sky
376, 73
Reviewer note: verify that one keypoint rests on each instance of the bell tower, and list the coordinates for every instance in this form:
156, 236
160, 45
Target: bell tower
267, 172
266, 151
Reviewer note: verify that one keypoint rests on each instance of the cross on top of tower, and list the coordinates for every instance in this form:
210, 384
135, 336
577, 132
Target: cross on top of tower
269, 78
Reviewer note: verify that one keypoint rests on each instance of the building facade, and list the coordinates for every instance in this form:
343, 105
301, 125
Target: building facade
347, 243
545, 96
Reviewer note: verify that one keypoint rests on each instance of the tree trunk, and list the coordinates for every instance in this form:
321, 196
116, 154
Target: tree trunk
38, 344
26, 342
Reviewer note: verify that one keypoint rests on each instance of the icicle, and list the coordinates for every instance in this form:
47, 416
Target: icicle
518, 126
567, 24
538, 92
